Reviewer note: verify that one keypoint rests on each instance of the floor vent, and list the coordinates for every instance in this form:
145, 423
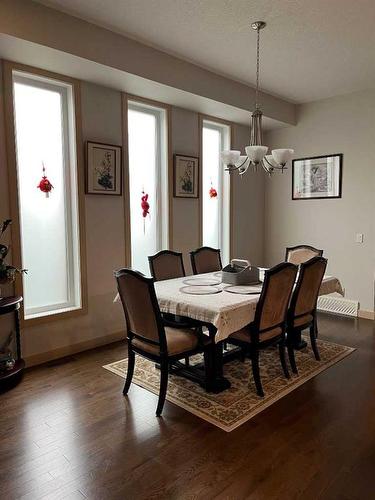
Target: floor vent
338, 305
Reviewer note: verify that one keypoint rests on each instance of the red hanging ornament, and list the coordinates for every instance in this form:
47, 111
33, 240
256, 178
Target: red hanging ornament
212, 192
44, 185
145, 208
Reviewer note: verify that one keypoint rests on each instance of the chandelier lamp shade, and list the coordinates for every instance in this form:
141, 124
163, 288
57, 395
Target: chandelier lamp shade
256, 153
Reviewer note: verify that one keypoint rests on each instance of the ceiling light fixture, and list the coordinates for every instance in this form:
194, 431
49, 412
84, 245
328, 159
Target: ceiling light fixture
255, 152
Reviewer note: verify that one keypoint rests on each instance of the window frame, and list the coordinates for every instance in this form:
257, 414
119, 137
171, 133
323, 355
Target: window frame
216, 123
146, 103
8, 69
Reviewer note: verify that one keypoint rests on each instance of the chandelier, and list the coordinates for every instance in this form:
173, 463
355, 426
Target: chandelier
255, 152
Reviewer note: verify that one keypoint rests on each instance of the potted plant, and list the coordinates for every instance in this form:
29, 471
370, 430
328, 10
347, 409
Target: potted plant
7, 272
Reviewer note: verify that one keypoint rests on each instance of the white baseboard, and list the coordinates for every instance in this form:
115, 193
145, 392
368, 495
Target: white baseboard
61, 352
366, 314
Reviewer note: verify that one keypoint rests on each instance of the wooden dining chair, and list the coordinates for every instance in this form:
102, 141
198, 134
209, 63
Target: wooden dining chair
301, 253
205, 260
166, 265
269, 325
147, 333
302, 310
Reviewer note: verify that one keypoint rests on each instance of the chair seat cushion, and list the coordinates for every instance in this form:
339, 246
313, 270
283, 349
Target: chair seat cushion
179, 340
303, 320
243, 335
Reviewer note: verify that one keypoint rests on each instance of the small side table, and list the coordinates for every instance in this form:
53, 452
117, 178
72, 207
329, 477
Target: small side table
12, 305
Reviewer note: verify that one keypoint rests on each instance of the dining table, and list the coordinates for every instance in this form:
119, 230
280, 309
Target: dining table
219, 314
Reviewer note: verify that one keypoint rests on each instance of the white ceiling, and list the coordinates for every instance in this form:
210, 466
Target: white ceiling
311, 49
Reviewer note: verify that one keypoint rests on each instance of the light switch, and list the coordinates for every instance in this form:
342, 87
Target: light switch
359, 238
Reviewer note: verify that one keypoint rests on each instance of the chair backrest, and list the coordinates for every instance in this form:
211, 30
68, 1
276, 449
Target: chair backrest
272, 307
166, 265
305, 295
141, 309
205, 260
301, 253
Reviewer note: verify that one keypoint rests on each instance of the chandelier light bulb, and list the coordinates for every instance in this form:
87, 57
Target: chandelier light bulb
230, 157
282, 156
256, 153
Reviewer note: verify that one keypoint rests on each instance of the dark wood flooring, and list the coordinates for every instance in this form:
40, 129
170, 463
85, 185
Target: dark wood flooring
67, 432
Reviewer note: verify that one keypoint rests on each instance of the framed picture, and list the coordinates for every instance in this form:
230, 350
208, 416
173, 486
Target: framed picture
318, 177
185, 176
103, 169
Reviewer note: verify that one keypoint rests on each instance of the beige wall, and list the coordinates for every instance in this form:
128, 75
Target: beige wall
248, 207
185, 140
105, 235
344, 124
265, 218
101, 121
248, 196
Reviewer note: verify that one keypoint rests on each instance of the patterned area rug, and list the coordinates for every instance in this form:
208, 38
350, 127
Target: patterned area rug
233, 407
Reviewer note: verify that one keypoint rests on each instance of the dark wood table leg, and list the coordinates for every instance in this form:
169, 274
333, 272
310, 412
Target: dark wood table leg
208, 374
298, 343
213, 364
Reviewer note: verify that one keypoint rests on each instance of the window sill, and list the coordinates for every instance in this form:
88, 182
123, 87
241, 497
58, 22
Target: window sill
49, 317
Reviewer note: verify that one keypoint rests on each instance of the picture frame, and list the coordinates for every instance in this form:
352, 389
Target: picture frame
103, 168
185, 176
317, 177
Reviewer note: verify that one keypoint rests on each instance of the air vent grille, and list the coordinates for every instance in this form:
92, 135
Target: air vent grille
338, 305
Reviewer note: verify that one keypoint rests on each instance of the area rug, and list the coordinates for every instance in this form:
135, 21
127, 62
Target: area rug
231, 408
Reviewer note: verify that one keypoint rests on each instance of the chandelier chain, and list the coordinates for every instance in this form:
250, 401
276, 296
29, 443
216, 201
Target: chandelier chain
258, 63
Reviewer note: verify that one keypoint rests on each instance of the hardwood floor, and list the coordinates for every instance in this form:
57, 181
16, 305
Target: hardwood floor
67, 432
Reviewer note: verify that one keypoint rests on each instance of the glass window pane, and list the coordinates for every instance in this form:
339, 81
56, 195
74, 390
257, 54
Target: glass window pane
142, 177
215, 211
211, 206
148, 172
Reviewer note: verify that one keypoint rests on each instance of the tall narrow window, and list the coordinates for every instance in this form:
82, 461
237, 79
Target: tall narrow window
148, 174
45, 135
215, 209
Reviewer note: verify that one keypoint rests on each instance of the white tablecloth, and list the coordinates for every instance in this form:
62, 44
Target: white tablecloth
228, 312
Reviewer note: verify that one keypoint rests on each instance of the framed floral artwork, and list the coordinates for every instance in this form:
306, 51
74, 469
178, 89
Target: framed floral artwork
185, 176
318, 177
103, 168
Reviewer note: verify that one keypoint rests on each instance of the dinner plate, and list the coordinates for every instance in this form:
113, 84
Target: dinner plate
200, 290
244, 289
202, 281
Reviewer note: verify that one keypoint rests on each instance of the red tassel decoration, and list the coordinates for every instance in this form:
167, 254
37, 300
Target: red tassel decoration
145, 208
44, 185
212, 192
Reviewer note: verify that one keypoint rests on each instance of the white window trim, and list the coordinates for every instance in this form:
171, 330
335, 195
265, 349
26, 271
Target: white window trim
73, 253
224, 229
162, 167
